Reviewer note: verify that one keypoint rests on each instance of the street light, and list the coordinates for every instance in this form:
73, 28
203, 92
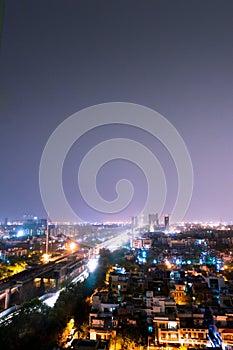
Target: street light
72, 246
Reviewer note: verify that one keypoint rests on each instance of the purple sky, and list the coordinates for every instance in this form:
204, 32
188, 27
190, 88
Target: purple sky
58, 57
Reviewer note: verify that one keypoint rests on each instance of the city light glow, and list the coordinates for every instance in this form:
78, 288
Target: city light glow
20, 233
72, 246
46, 258
92, 264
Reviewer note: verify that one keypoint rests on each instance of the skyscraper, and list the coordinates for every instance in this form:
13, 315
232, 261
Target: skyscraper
153, 220
166, 222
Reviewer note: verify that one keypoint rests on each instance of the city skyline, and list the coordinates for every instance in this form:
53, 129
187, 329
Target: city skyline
172, 57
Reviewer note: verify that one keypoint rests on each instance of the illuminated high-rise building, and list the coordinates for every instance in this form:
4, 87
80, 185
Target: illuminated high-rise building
153, 220
166, 222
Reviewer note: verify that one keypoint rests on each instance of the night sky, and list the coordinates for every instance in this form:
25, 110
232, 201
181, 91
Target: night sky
60, 56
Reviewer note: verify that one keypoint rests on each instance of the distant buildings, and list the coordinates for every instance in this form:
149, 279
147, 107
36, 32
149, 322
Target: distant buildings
142, 243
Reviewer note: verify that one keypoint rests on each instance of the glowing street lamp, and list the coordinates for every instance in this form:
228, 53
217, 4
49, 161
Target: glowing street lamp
72, 246
46, 258
92, 264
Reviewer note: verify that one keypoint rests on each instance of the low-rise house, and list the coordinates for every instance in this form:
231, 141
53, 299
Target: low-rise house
102, 319
179, 292
102, 326
194, 336
119, 282
167, 330
159, 304
227, 336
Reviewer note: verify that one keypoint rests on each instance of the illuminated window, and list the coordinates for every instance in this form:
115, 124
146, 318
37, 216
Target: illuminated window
173, 336
172, 325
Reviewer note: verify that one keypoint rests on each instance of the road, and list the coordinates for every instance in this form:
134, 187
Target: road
116, 242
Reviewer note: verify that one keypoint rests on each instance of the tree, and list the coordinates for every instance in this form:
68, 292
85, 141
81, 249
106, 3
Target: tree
82, 330
26, 328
